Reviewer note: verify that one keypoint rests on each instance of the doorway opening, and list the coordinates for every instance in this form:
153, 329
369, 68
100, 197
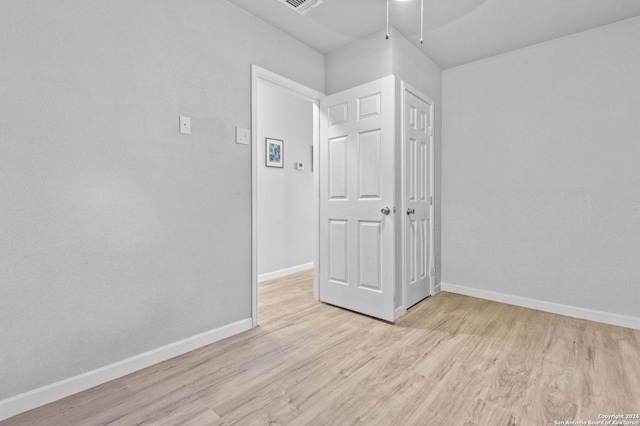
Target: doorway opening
285, 126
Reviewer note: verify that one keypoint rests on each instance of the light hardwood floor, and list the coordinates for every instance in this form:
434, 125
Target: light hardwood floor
452, 360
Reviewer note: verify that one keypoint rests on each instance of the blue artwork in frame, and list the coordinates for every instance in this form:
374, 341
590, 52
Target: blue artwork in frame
274, 153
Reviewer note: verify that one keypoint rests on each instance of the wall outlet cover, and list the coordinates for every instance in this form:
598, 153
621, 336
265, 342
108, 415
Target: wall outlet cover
185, 125
243, 136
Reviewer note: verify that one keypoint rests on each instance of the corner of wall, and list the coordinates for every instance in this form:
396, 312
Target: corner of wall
357, 63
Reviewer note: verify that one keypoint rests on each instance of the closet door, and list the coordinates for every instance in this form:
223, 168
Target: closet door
356, 199
418, 141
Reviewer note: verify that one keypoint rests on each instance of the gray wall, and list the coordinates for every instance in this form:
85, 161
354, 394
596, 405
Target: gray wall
540, 174
285, 196
357, 63
117, 234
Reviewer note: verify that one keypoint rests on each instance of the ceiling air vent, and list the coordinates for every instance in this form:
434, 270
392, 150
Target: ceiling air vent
301, 6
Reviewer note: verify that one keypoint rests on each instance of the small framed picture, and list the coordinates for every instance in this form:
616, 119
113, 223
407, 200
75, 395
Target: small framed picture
274, 153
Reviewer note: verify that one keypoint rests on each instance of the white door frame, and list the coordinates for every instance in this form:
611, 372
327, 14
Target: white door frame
314, 97
404, 88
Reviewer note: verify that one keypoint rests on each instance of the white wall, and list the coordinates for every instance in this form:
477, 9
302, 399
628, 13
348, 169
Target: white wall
285, 196
117, 234
541, 172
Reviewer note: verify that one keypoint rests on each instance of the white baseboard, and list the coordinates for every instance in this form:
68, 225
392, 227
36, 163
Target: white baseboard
283, 272
541, 305
53, 392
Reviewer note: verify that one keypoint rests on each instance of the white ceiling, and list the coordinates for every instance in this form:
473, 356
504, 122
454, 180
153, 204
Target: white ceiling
456, 31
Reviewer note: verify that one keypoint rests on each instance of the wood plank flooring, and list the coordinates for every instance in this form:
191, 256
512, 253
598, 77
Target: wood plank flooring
452, 360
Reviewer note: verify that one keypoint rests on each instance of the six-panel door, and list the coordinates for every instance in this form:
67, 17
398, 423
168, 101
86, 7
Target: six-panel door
356, 188
418, 132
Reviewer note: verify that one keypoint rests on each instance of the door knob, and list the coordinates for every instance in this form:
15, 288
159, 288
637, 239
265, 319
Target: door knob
411, 211
385, 210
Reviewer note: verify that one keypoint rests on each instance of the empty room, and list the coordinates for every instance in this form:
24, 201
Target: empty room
320, 212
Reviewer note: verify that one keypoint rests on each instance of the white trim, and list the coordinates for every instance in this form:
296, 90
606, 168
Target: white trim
399, 311
313, 96
53, 392
317, 134
284, 272
405, 87
541, 305
432, 206
254, 194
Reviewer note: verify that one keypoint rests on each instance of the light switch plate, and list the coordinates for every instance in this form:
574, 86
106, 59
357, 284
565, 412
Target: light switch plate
243, 136
300, 166
185, 125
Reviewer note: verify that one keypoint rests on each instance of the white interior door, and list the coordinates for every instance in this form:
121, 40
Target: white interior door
356, 199
417, 140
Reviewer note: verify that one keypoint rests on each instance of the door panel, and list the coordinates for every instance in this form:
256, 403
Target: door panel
356, 184
418, 134
369, 165
339, 168
411, 165
370, 254
337, 114
412, 247
424, 248
424, 171
339, 251
369, 106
